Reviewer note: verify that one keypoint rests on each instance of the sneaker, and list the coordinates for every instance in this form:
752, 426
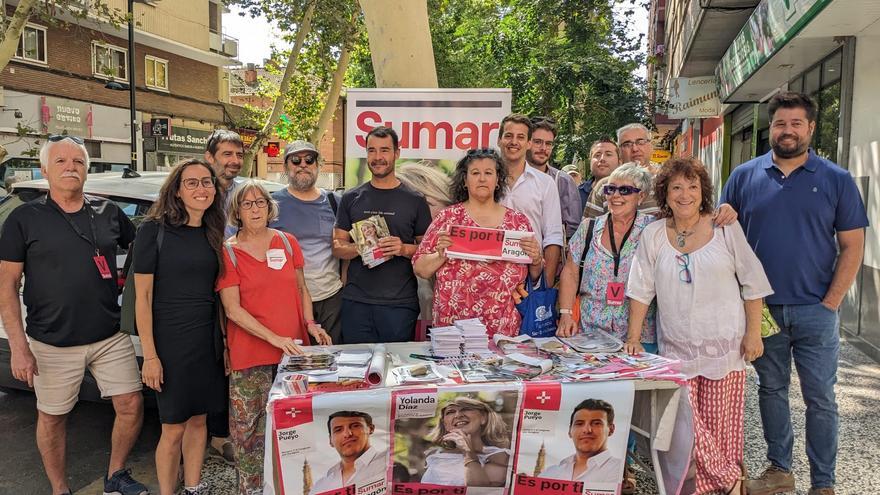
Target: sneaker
773, 481
227, 454
121, 483
821, 491
201, 489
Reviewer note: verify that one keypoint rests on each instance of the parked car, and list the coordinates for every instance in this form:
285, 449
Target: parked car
134, 194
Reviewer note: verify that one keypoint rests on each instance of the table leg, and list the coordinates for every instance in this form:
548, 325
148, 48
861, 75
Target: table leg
655, 458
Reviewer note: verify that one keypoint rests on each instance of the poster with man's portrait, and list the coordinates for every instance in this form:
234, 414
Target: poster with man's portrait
573, 438
332, 444
455, 440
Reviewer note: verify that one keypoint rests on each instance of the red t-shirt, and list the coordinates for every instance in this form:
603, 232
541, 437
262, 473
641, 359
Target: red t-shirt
269, 295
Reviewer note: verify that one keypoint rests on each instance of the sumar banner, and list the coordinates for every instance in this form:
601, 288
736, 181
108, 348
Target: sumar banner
454, 440
332, 444
572, 438
477, 243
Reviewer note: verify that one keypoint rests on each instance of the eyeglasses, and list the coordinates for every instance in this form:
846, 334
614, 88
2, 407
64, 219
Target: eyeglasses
260, 203
540, 142
637, 142
684, 261
610, 189
61, 137
296, 160
206, 182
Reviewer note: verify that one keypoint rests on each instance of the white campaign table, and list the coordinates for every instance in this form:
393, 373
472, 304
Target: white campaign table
654, 413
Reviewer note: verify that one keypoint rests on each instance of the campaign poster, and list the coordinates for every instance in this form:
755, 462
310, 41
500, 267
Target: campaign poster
478, 243
572, 438
435, 126
454, 440
332, 444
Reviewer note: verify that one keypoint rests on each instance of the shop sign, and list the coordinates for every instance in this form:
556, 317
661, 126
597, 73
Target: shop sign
184, 140
248, 136
772, 24
160, 126
61, 116
660, 156
693, 97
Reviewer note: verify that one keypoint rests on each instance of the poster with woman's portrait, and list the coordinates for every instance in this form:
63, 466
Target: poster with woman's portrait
572, 438
332, 444
455, 440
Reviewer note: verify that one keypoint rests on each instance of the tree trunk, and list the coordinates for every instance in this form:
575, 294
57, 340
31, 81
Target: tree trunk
400, 43
12, 31
263, 135
332, 96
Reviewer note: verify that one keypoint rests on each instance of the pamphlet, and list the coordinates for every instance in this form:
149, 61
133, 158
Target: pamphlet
480, 244
366, 235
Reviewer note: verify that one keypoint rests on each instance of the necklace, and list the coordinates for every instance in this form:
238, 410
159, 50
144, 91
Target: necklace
682, 235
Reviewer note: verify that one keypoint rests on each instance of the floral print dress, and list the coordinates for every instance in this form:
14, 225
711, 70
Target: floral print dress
475, 289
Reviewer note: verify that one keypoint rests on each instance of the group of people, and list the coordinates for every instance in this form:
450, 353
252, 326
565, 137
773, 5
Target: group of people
229, 277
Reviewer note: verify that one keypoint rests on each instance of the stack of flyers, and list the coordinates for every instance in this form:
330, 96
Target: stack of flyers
489, 370
417, 373
319, 360
520, 343
602, 366
475, 335
446, 341
526, 367
594, 340
366, 235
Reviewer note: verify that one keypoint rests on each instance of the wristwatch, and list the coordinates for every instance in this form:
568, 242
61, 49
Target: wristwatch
564, 311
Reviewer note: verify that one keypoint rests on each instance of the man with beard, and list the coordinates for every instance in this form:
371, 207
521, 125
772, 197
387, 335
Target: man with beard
538, 156
309, 213
530, 192
803, 216
634, 141
591, 423
381, 304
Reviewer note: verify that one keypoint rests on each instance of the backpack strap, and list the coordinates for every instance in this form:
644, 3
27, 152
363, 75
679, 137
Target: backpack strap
587, 242
331, 198
231, 253
286, 242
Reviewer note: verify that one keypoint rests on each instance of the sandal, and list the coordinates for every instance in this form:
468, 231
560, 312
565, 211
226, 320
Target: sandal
628, 487
743, 490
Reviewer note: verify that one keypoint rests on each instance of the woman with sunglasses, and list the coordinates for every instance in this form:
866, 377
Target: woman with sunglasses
709, 287
468, 288
269, 314
176, 316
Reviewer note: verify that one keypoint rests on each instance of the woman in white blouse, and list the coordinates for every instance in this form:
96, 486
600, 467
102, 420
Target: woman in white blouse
709, 287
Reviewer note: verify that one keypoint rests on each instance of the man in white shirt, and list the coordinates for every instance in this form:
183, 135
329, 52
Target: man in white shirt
531, 191
592, 422
360, 463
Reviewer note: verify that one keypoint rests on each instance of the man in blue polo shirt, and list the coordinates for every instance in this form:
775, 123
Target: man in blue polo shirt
805, 220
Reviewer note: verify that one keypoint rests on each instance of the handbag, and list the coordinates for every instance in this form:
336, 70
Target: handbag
538, 310
127, 318
576, 309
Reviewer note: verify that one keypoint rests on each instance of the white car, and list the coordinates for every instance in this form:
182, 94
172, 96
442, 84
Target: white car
134, 193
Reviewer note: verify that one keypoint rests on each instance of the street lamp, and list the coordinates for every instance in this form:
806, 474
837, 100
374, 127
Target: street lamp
130, 86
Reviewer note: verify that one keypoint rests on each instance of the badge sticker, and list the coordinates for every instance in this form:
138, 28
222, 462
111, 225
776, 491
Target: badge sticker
276, 259
614, 294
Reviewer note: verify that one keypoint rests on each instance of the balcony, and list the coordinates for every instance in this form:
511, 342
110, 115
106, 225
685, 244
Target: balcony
223, 44
706, 31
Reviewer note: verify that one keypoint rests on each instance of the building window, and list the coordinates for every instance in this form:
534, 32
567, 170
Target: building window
156, 73
822, 83
110, 62
213, 17
93, 147
32, 45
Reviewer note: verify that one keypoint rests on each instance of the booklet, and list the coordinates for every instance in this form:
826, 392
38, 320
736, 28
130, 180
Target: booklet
480, 244
366, 235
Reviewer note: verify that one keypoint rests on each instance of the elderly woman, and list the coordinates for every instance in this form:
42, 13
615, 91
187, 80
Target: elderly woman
176, 315
700, 275
269, 314
476, 289
472, 446
606, 260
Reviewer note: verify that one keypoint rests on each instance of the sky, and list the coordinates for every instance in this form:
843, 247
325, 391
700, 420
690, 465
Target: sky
255, 36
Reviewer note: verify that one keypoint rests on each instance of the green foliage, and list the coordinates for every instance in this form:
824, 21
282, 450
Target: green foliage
572, 60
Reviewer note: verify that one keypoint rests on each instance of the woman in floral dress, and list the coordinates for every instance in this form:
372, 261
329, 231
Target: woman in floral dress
476, 289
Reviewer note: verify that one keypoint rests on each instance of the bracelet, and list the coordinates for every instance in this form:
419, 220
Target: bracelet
468, 461
150, 359
564, 311
311, 322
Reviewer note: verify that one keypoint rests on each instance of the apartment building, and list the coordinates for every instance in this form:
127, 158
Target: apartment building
748, 50
57, 82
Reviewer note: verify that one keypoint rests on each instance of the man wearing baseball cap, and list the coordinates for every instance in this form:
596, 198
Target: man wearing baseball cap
309, 213
574, 173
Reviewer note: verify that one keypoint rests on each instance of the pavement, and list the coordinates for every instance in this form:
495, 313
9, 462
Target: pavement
858, 464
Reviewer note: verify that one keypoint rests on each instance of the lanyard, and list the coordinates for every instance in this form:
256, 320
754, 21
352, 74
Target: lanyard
93, 241
614, 251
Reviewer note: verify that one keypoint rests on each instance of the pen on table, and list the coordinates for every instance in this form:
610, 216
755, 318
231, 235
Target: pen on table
425, 357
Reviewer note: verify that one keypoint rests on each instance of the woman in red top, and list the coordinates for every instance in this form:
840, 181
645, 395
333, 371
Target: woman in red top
476, 289
268, 309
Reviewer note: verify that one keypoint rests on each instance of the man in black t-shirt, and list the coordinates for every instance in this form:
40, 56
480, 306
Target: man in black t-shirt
381, 304
65, 245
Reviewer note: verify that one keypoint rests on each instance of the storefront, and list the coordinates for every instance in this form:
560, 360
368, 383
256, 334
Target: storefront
183, 143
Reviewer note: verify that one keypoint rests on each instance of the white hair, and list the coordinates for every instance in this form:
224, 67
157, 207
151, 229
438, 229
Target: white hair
47, 146
629, 127
636, 173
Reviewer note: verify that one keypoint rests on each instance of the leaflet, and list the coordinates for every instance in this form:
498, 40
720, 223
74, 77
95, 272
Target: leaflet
480, 244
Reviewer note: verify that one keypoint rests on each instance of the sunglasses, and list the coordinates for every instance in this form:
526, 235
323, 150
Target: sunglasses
684, 261
310, 160
61, 137
610, 189
206, 182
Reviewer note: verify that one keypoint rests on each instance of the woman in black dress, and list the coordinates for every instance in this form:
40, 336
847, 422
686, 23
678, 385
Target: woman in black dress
176, 313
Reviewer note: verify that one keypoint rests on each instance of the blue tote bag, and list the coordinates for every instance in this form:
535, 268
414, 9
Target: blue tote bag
538, 310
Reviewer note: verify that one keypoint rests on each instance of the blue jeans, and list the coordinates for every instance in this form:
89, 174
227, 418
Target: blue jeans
809, 332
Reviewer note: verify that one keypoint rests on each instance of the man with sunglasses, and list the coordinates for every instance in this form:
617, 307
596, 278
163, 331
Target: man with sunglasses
538, 156
65, 244
309, 213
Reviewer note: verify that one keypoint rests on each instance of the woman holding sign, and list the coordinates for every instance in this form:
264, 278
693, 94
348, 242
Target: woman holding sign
469, 288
